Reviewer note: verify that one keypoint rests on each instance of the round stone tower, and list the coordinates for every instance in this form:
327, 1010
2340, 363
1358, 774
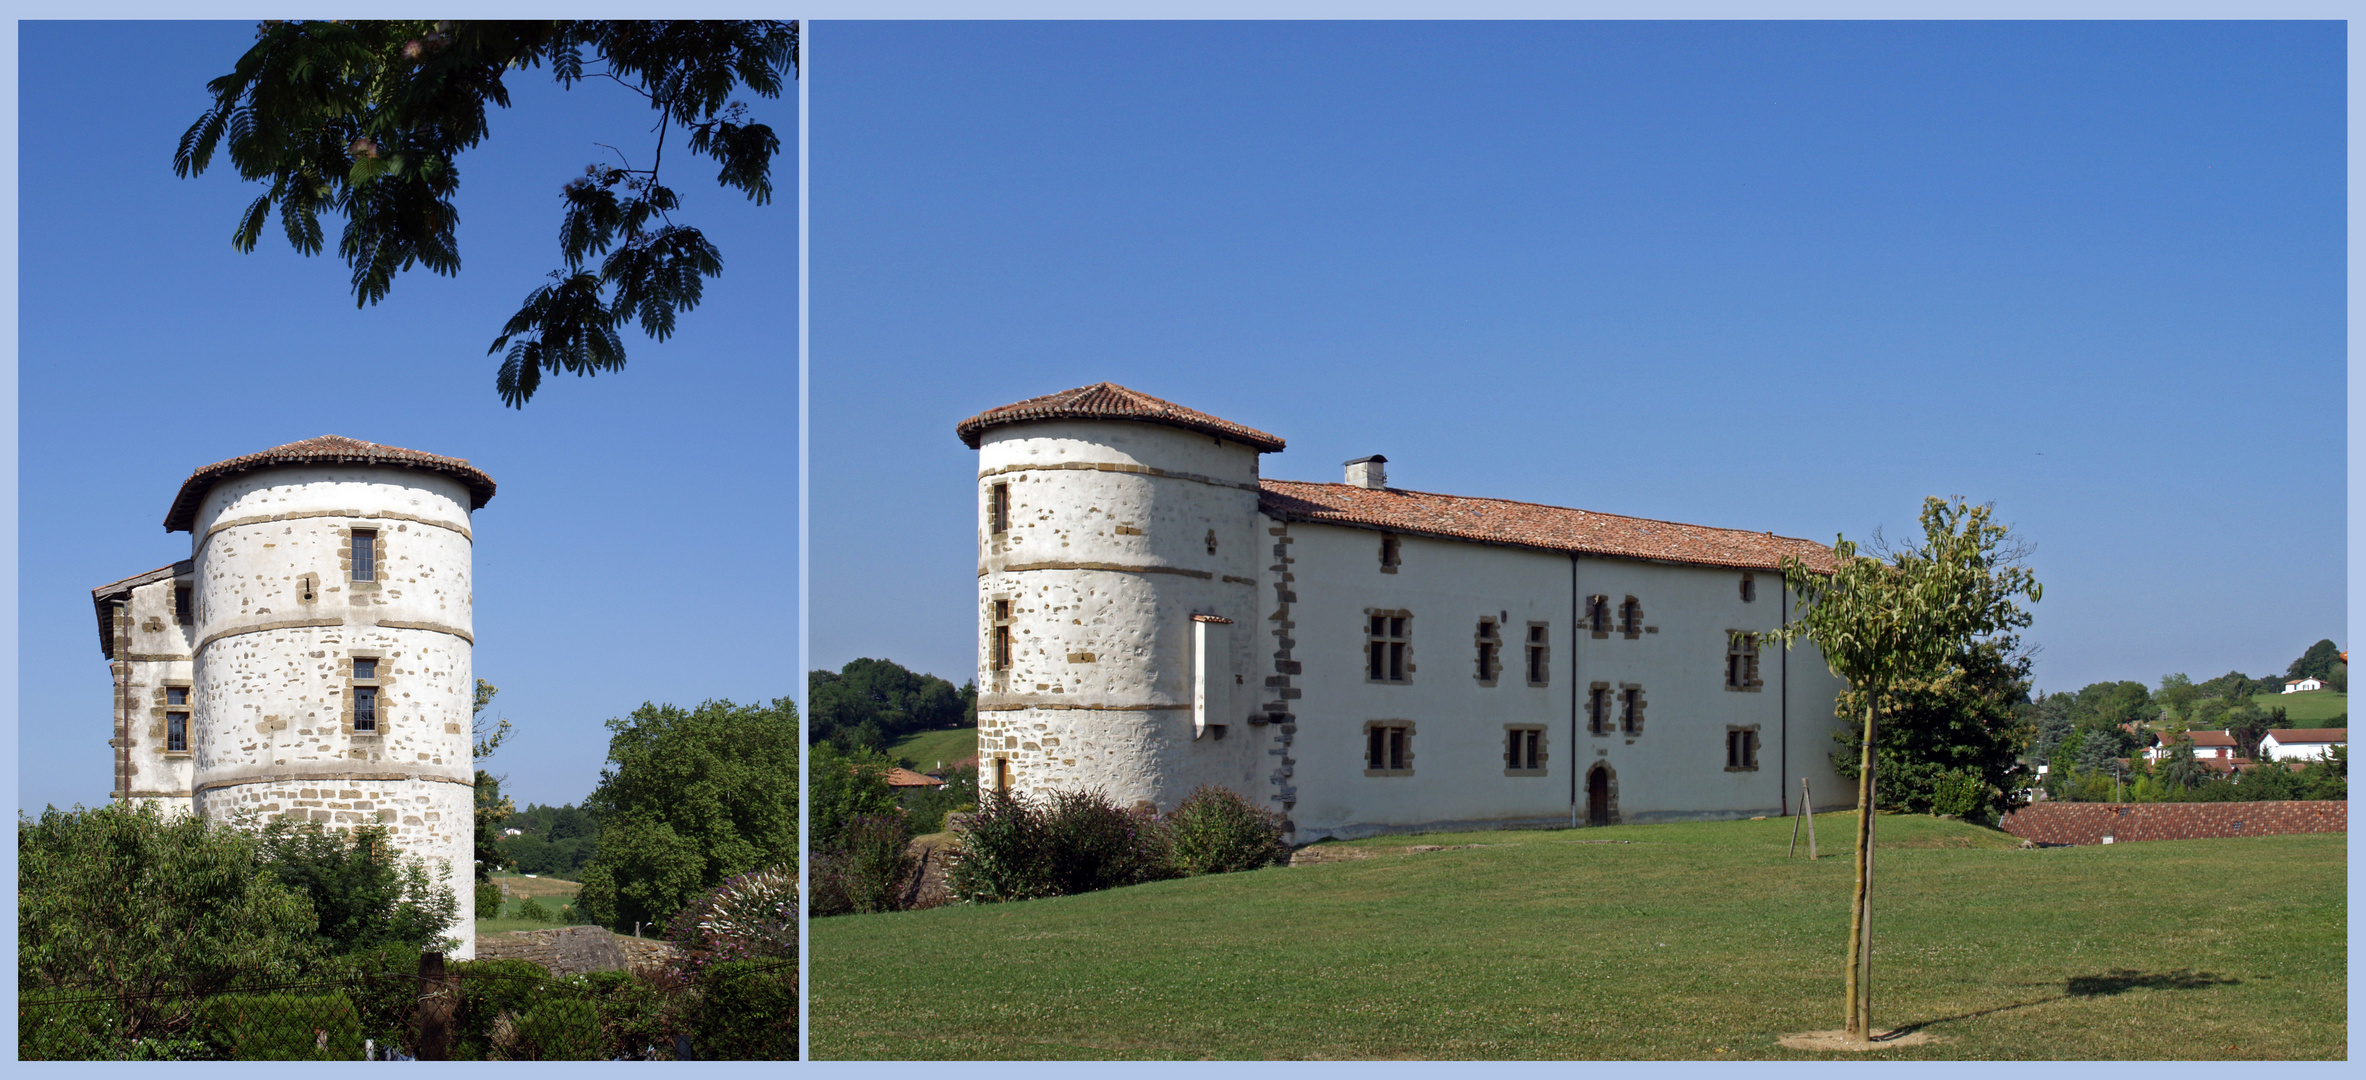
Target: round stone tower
331, 651
1118, 570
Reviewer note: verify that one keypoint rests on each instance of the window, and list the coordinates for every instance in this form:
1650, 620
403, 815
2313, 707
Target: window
1741, 661
1002, 775
176, 719
1741, 749
305, 591
1749, 589
365, 667
1598, 615
1598, 709
1388, 748
365, 708
1523, 751
1630, 716
365, 555
184, 605
1630, 618
1386, 647
1539, 668
1001, 635
1490, 642
998, 511
1390, 554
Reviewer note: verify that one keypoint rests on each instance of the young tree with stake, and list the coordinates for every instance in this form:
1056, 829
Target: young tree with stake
1881, 622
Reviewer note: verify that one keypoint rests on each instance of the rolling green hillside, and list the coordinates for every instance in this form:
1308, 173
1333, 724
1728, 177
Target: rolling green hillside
927, 748
2311, 709
1693, 941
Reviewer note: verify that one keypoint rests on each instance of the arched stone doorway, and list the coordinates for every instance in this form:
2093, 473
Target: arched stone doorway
1601, 795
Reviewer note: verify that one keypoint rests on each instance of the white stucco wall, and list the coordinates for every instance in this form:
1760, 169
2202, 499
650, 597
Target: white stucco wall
1106, 560
272, 667
2275, 751
152, 649
1674, 769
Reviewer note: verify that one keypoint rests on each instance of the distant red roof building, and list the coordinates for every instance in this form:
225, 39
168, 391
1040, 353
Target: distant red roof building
906, 778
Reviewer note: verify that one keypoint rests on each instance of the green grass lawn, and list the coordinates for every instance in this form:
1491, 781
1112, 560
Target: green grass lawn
927, 748
1692, 941
551, 892
2309, 709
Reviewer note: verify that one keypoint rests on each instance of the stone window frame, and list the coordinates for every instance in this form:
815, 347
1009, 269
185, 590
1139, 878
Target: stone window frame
1630, 618
1598, 709
1404, 746
382, 681
186, 710
1001, 648
1399, 634
1741, 662
1539, 653
1392, 552
1631, 705
1006, 776
184, 602
1741, 754
346, 535
1749, 588
1539, 747
998, 510
1609, 792
1597, 619
1487, 645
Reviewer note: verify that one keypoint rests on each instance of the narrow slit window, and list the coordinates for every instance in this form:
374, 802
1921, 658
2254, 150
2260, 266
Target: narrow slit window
176, 719
1001, 656
1631, 711
1598, 615
1000, 512
1749, 589
1630, 617
365, 555
1390, 554
184, 605
1537, 670
1598, 709
1490, 642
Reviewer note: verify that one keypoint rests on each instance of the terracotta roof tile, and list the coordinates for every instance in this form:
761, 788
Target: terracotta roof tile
1531, 525
902, 777
2200, 738
329, 449
1109, 401
2289, 736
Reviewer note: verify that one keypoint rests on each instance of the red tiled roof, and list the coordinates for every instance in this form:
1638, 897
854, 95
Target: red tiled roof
1109, 401
2288, 736
102, 599
326, 449
1522, 524
2208, 738
902, 777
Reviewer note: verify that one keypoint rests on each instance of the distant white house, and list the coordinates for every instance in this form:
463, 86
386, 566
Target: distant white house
2207, 746
2302, 744
513, 832
2302, 686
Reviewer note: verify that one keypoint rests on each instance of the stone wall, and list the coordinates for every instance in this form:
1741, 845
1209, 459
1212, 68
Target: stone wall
2091, 823
573, 950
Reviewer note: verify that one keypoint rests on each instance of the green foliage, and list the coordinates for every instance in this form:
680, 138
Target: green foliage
531, 909
366, 119
637, 1018
560, 1028
2316, 663
363, 892
1961, 730
281, 1027
747, 1011
846, 785
557, 841
691, 797
488, 900
120, 901
490, 989
1215, 831
870, 703
1069, 842
749, 917
383, 985
868, 869
62, 1026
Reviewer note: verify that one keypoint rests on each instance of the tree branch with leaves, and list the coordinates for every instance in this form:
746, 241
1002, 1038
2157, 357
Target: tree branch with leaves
366, 119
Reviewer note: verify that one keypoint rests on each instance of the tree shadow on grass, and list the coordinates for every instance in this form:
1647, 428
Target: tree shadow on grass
2083, 986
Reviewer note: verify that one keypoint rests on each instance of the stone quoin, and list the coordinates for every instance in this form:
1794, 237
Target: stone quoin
311, 659
1154, 616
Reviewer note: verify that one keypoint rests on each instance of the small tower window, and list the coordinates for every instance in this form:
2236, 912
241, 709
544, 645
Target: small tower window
1001, 657
998, 511
176, 719
365, 555
184, 605
365, 708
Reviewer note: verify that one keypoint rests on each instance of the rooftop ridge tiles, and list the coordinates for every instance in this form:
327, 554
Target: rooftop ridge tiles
327, 449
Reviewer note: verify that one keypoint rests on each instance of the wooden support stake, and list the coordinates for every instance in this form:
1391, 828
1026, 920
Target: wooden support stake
1794, 852
1808, 809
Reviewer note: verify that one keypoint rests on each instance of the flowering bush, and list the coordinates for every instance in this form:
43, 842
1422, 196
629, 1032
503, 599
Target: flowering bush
749, 917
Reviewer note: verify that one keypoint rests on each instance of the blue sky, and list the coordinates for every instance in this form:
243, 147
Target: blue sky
643, 544
1765, 275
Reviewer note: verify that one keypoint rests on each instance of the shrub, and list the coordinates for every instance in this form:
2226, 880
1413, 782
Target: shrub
71, 1030
490, 989
635, 1018
1961, 793
1215, 831
383, 985
752, 916
747, 1011
488, 900
280, 1027
1069, 842
869, 869
533, 911
561, 1027
364, 892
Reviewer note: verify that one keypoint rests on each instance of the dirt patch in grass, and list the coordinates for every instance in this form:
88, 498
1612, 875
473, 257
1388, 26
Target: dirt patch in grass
1314, 854
1837, 1040
521, 886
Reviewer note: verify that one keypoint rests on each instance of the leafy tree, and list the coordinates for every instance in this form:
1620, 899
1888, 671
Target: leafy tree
2316, 663
557, 840
2049, 717
1954, 736
691, 797
367, 118
363, 893
121, 901
2180, 771
2247, 724
1890, 620
870, 703
491, 808
2176, 695
846, 786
